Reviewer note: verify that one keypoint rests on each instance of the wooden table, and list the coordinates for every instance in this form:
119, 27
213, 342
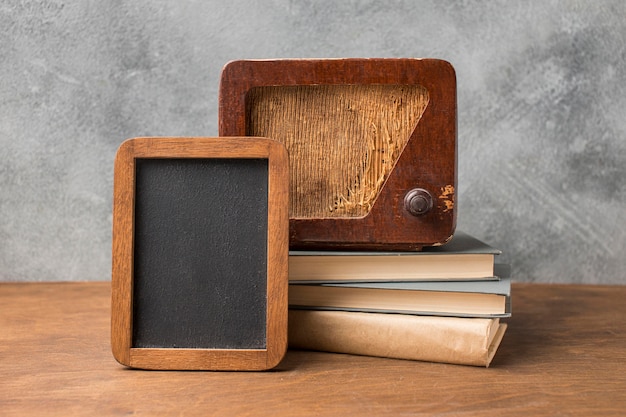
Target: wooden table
564, 354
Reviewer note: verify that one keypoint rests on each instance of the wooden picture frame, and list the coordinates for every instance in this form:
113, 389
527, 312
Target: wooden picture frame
300, 100
176, 202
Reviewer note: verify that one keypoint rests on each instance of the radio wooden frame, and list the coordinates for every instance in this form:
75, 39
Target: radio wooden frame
427, 164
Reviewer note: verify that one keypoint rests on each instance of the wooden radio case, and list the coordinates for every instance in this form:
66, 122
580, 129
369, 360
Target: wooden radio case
371, 142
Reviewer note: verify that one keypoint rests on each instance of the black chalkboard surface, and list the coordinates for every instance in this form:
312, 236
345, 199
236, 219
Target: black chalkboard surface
200, 238
200, 253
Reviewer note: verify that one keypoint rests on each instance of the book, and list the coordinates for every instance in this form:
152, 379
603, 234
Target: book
462, 341
456, 298
463, 257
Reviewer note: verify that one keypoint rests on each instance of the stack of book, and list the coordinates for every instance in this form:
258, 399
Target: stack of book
443, 304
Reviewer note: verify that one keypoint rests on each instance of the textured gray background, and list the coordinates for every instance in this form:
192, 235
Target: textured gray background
541, 94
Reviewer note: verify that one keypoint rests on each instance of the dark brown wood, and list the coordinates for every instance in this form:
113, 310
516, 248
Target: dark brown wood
122, 320
563, 354
427, 162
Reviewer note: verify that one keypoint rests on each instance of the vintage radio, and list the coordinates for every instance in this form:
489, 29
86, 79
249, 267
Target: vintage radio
371, 142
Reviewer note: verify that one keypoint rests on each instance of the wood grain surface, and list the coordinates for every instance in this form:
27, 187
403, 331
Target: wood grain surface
563, 354
129, 234
303, 90
343, 140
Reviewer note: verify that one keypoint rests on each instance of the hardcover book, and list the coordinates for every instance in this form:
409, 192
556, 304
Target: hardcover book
481, 298
464, 257
462, 341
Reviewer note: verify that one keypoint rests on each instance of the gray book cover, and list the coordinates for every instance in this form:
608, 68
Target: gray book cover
500, 286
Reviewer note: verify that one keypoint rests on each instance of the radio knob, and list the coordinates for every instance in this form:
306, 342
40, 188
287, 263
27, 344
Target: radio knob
418, 201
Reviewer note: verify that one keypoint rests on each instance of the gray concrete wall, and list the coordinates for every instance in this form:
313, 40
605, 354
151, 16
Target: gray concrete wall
541, 94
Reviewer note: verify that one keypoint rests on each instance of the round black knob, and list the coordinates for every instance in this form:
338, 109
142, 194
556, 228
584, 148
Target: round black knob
418, 201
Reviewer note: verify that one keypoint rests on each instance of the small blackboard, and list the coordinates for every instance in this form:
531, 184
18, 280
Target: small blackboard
200, 245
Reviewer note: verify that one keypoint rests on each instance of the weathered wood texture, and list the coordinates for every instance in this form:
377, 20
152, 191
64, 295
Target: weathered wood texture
337, 116
563, 354
343, 140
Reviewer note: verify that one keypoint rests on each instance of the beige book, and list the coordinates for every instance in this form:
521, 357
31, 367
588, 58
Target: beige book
463, 258
463, 341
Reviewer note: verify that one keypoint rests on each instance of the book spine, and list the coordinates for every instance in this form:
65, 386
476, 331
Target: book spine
463, 341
